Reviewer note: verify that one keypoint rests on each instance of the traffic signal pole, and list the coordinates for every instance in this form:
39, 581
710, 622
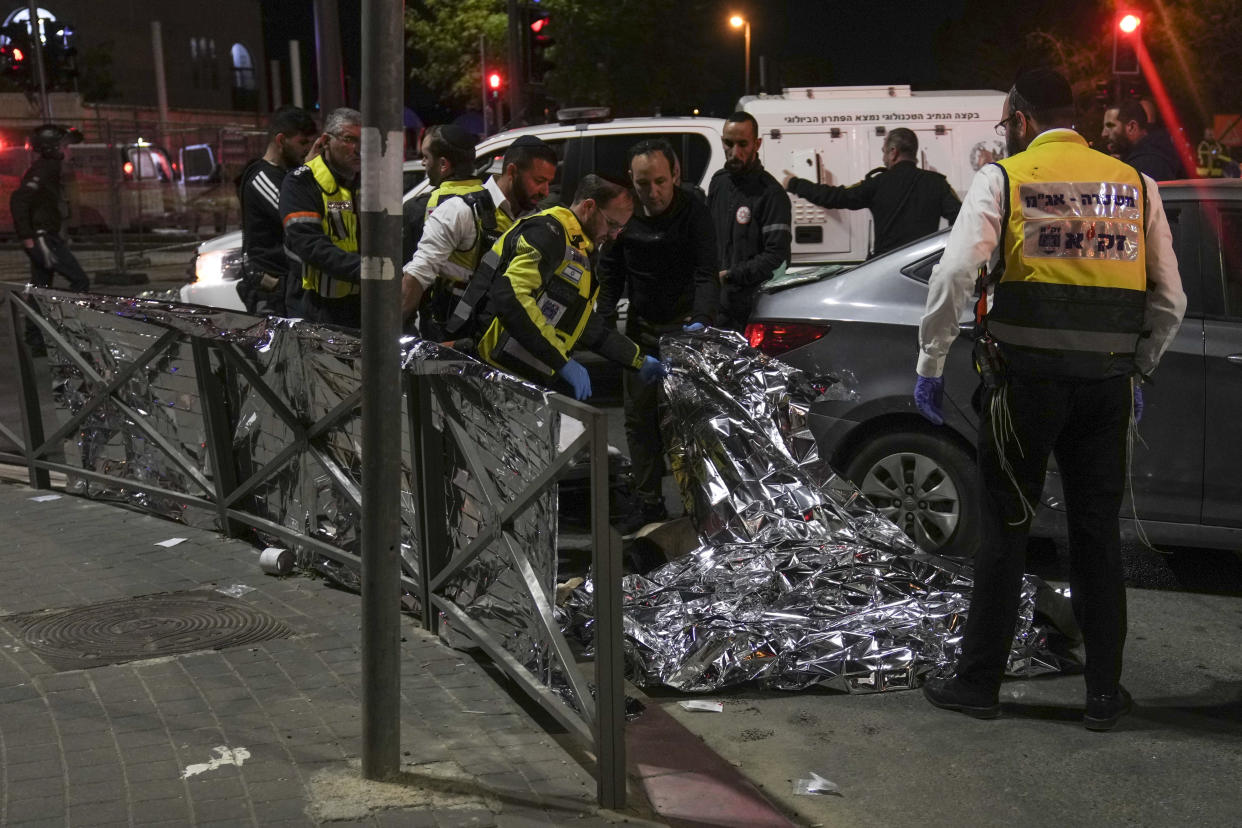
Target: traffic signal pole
379, 243
36, 43
516, 75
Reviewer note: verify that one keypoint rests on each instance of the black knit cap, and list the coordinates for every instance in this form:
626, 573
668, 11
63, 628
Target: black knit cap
1044, 89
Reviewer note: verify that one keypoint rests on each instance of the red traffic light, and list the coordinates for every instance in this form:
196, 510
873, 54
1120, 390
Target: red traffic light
1129, 23
494, 80
537, 25
18, 55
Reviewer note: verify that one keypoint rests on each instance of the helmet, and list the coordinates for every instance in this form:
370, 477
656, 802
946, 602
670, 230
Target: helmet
48, 138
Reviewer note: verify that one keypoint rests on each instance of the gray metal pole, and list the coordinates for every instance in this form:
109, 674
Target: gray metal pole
609, 653
36, 40
295, 73
483, 84
161, 86
383, 148
517, 78
328, 56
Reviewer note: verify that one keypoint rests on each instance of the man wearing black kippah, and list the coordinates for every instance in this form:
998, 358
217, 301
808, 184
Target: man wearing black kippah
465, 216
1082, 296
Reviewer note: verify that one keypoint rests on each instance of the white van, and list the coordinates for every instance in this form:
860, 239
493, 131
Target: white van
834, 135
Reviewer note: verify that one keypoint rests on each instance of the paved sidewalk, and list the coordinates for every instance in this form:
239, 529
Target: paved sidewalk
263, 734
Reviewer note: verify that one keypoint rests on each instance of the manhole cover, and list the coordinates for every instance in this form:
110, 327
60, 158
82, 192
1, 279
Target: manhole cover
149, 626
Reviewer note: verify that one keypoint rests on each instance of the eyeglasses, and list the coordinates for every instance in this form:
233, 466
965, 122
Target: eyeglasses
347, 140
613, 225
1002, 127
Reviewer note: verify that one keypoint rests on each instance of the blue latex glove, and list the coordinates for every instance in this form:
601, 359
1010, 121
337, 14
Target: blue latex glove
652, 370
577, 376
929, 398
1138, 402
693, 327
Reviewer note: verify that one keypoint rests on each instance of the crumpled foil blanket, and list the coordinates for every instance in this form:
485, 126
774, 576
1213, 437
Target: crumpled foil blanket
797, 580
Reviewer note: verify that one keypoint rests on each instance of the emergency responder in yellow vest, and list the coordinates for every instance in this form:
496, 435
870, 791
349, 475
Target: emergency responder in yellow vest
542, 292
458, 229
319, 211
1084, 297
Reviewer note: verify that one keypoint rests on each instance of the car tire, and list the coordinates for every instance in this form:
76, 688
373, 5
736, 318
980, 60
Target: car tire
924, 483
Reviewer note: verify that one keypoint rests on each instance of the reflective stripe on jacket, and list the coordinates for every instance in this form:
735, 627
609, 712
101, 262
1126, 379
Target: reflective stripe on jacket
541, 297
1068, 296
339, 221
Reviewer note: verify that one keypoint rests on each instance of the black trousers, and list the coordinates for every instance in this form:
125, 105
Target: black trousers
1083, 423
49, 256
642, 412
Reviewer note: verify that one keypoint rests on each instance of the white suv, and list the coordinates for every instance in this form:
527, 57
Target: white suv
584, 140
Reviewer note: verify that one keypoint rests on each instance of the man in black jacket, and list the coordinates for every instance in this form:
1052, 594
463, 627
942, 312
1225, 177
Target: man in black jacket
290, 133
752, 217
665, 259
1133, 139
37, 206
906, 202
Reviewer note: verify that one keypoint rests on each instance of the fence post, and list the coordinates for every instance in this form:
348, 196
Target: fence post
32, 410
427, 470
212, 397
609, 659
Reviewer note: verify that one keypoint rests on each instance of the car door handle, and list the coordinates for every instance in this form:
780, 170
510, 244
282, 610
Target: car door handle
1236, 359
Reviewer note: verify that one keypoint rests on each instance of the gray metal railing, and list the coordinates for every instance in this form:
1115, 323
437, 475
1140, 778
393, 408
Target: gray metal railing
109, 347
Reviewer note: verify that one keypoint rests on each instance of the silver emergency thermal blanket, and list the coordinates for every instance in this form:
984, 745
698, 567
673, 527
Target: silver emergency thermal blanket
798, 580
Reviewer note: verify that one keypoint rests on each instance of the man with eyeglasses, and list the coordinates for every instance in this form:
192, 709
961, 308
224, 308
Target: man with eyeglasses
1082, 297
541, 290
319, 211
906, 202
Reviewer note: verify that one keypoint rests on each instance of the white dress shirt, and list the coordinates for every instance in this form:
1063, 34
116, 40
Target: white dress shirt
450, 227
974, 241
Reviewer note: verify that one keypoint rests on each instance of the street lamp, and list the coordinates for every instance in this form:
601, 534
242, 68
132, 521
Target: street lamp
739, 22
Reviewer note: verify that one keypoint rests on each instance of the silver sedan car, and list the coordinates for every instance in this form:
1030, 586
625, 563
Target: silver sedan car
860, 325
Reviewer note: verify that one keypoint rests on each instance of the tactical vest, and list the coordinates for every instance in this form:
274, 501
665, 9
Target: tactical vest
489, 221
1069, 295
340, 225
563, 298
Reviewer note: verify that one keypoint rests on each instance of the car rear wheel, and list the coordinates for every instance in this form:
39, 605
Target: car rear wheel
926, 485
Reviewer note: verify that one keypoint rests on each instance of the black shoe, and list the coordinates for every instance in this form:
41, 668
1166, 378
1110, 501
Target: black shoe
644, 512
1103, 712
952, 694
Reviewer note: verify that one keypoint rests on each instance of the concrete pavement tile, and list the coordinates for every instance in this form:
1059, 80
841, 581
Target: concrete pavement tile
32, 753
270, 811
513, 817
166, 788
409, 818
133, 739
165, 767
274, 790
83, 724
97, 773
466, 818
279, 769
51, 768
86, 740
90, 792
49, 787
58, 682
222, 809
155, 811
204, 789
31, 811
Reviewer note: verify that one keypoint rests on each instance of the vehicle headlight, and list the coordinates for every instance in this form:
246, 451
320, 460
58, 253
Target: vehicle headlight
218, 266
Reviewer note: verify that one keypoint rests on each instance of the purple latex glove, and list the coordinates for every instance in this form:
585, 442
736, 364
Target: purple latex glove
929, 397
1138, 402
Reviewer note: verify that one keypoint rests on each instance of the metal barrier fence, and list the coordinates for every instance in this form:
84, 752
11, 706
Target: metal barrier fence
246, 424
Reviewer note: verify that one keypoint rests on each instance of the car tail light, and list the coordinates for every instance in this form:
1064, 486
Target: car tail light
778, 337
